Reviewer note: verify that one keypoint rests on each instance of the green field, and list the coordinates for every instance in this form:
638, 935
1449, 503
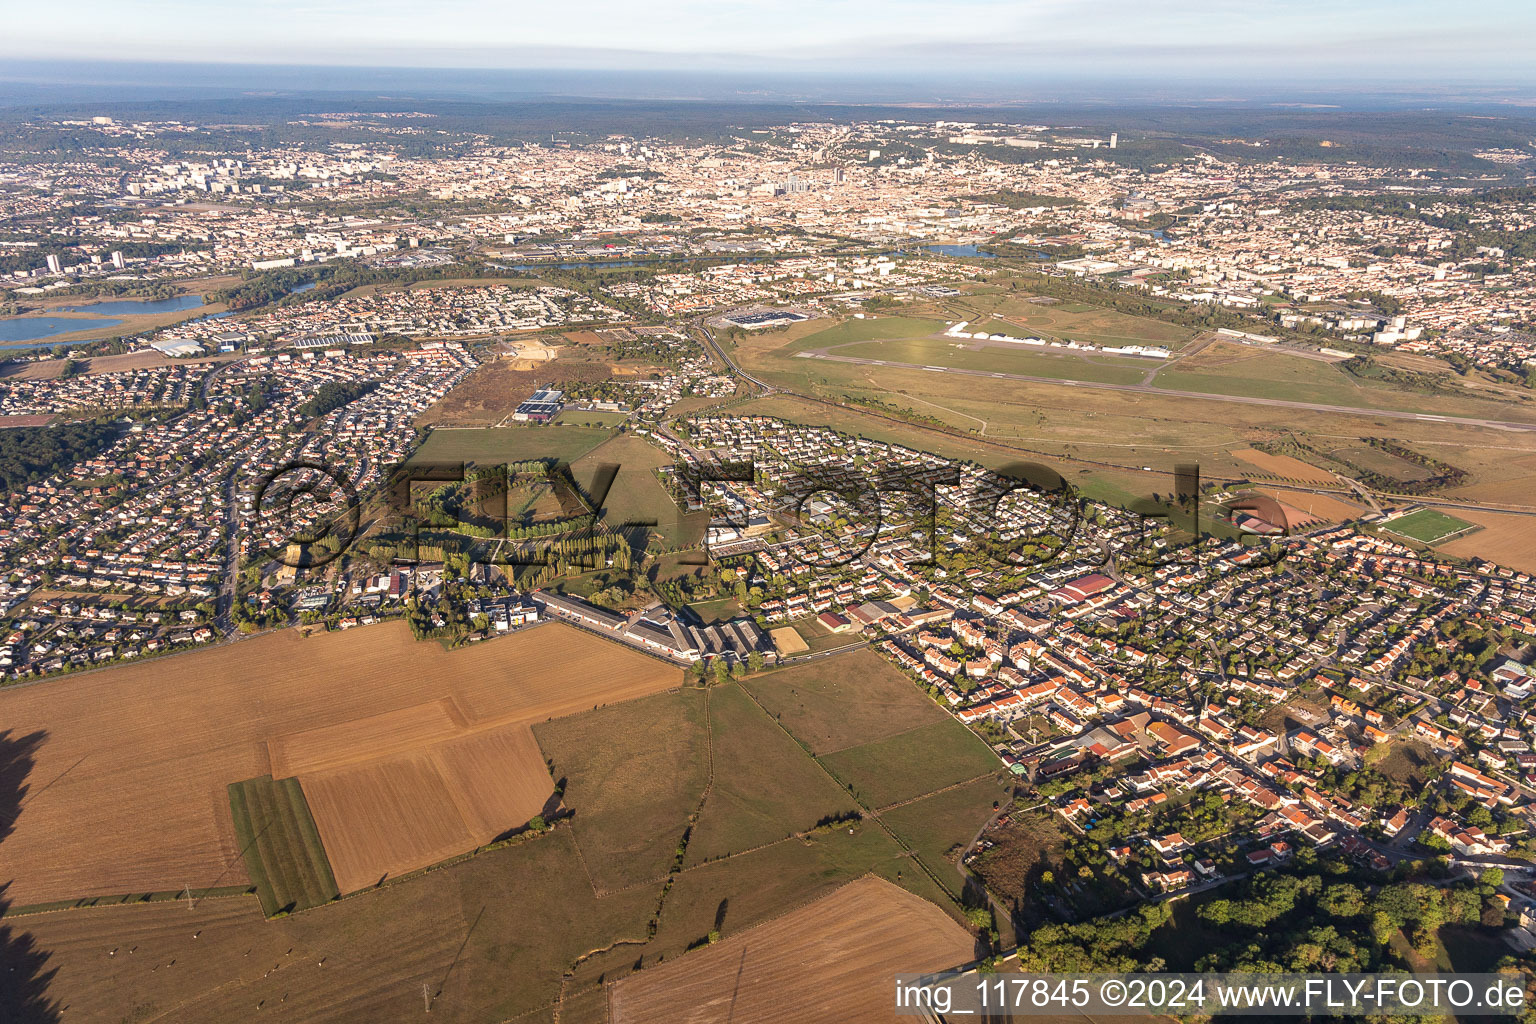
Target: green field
718, 609
488, 446
909, 764
843, 701
633, 773
874, 329
1428, 526
636, 495
764, 789
590, 418
937, 826
280, 844
1065, 320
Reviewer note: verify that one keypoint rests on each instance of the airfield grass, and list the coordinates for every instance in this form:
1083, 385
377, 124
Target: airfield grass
1377, 461
910, 764
1428, 526
765, 788
488, 446
1069, 320
281, 845
879, 328
843, 701
993, 357
633, 773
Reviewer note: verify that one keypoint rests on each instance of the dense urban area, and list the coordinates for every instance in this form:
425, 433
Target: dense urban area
1099, 535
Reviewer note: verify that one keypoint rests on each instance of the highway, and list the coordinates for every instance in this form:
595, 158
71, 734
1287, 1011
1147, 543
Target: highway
1152, 389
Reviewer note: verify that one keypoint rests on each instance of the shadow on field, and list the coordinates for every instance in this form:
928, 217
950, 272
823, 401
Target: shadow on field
23, 980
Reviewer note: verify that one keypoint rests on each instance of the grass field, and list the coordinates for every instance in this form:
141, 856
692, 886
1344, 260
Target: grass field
844, 701
489, 446
909, 764
831, 960
1069, 320
938, 825
137, 759
882, 328
994, 357
764, 789
456, 931
280, 845
632, 773
636, 496
590, 418
1428, 526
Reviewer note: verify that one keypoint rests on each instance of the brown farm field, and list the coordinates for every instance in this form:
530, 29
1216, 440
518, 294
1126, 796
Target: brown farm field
127, 792
1303, 507
1285, 466
1506, 537
490, 393
832, 960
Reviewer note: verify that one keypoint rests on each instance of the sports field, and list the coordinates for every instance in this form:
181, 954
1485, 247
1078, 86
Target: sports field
128, 792
1428, 526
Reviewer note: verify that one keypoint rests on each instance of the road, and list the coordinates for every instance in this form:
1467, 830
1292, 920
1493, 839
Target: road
1151, 389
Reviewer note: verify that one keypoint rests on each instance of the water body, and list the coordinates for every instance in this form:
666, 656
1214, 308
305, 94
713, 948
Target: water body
31, 328
140, 306
301, 288
965, 251
579, 263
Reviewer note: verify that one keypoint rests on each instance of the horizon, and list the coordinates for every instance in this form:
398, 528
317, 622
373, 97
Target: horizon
975, 47
63, 81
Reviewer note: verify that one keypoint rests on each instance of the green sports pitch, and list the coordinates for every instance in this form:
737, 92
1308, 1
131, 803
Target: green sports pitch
1428, 526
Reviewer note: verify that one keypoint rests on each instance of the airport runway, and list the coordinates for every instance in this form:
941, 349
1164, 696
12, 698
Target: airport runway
1151, 389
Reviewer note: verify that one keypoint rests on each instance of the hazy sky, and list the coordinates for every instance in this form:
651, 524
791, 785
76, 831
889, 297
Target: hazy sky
1398, 39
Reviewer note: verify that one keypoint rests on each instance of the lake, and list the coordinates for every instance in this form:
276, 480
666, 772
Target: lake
31, 328
126, 307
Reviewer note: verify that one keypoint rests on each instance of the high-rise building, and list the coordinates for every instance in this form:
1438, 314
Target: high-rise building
54, 267
838, 176
1114, 139
117, 260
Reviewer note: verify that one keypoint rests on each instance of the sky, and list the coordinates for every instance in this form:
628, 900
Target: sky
1397, 40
